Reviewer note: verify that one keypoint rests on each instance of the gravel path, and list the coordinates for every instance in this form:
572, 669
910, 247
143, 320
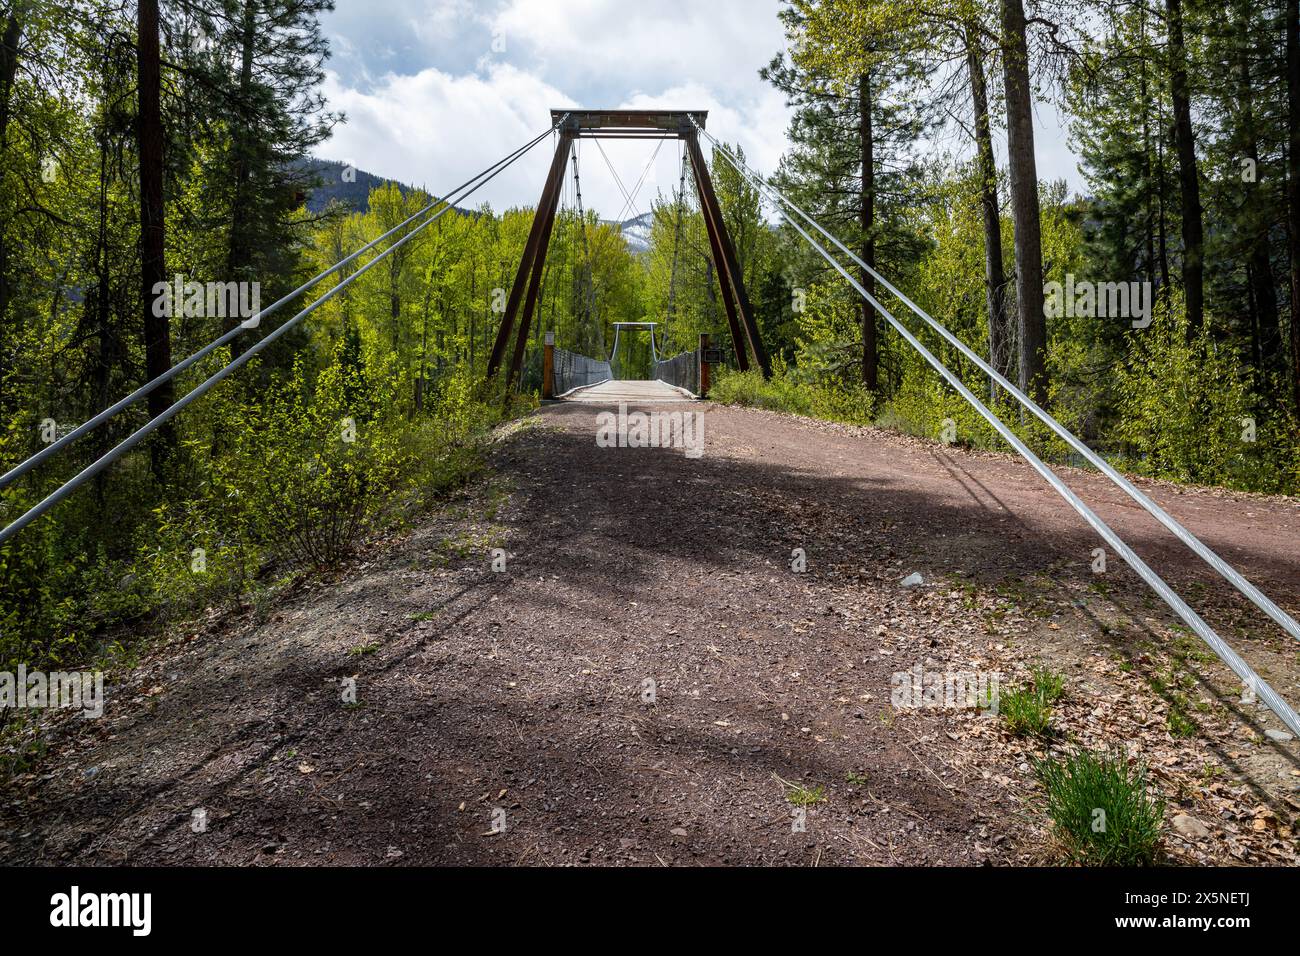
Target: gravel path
647, 682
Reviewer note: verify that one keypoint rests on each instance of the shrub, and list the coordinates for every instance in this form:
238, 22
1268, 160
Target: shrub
1187, 411
191, 562
751, 390
311, 467
1027, 710
784, 392
1101, 809
296, 476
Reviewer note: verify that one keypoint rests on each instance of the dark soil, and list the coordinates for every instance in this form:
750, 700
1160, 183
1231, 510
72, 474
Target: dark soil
506, 717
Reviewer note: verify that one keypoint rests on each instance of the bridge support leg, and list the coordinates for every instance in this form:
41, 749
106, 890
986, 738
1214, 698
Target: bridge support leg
533, 258
704, 366
539, 264
548, 366
728, 266
724, 281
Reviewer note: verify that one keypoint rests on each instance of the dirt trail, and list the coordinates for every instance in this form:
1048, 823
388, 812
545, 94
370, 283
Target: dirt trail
505, 717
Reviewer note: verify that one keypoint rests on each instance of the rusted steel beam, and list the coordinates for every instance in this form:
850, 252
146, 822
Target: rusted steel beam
602, 134
730, 263
549, 193
539, 264
715, 246
629, 119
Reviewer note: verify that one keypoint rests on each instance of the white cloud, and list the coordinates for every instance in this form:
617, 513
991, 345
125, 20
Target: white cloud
437, 130
445, 105
645, 47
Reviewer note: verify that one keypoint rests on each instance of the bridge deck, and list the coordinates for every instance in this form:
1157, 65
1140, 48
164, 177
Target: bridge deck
628, 390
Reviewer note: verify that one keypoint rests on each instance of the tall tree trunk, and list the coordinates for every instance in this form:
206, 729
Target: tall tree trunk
1162, 234
153, 265
867, 223
9, 64
1188, 178
1293, 186
1148, 190
995, 277
239, 251
1259, 270
8, 70
99, 310
1024, 202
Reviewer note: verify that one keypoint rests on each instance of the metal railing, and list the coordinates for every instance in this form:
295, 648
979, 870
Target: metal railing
574, 370
681, 370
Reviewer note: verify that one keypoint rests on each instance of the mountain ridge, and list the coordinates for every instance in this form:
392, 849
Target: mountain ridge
354, 192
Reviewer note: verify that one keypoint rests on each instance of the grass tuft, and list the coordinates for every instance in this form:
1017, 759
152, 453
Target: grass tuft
800, 795
1027, 710
1049, 683
1102, 810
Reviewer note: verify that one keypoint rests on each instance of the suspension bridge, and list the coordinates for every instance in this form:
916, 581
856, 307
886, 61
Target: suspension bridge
572, 376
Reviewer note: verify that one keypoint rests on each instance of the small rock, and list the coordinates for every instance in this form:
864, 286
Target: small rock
678, 831
1278, 735
911, 581
1190, 827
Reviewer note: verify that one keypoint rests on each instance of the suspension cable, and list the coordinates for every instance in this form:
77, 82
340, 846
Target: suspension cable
68, 487
636, 188
1230, 657
614, 351
627, 199
1198, 547
590, 280
677, 236
252, 322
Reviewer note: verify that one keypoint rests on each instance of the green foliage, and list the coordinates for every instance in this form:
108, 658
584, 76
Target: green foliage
1027, 710
330, 456
1049, 683
280, 485
1187, 412
1102, 809
191, 562
784, 393
315, 466
751, 390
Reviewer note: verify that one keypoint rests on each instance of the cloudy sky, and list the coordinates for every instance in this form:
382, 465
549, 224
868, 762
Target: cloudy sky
435, 90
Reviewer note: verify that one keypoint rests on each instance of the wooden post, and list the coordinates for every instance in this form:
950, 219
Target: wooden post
704, 366
548, 366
